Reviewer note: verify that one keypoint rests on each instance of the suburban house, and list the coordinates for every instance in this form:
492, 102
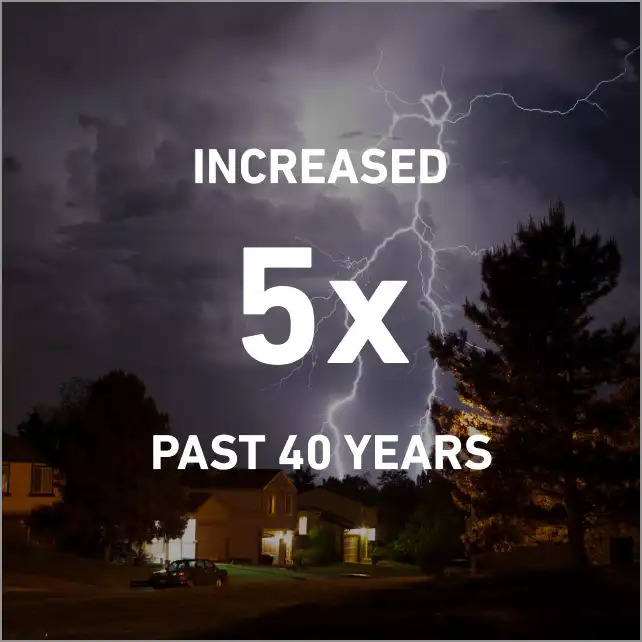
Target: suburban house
354, 525
27, 483
235, 515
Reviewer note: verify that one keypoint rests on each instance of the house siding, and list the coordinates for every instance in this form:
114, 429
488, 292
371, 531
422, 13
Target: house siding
232, 522
18, 503
350, 522
351, 511
19, 500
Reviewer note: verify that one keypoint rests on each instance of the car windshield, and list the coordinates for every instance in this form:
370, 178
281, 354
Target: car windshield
179, 564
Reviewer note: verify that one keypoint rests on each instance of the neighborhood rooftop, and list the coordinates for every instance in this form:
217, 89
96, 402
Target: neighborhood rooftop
236, 478
15, 448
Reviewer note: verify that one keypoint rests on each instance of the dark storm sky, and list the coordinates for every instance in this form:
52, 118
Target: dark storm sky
113, 258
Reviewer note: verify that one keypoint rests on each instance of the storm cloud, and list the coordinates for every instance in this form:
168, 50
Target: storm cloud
114, 258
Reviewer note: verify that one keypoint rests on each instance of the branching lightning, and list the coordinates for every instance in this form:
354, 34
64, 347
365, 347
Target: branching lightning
428, 253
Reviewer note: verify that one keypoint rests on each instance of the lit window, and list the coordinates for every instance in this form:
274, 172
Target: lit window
5, 479
288, 504
272, 504
303, 525
41, 480
371, 534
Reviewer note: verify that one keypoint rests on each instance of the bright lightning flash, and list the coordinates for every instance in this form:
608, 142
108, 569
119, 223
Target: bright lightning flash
427, 261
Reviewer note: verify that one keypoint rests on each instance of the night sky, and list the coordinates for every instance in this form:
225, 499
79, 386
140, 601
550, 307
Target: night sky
114, 258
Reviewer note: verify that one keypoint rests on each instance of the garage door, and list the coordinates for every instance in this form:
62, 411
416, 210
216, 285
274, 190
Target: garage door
351, 548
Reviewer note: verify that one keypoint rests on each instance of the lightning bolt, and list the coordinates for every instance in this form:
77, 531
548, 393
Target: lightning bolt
428, 253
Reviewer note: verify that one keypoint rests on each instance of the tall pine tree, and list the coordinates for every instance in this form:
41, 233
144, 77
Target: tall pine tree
552, 391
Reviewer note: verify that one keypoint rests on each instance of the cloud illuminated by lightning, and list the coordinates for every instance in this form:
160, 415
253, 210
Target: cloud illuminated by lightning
427, 261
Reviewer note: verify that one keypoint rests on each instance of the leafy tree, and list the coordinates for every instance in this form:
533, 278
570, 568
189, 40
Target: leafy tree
100, 439
431, 538
49, 428
304, 479
321, 548
432, 535
356, 487
396, 501
545, 389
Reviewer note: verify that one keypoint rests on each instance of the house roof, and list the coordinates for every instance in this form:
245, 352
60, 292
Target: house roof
18, 449
323, 495
196, 500
237, 478
337, 508
331, 517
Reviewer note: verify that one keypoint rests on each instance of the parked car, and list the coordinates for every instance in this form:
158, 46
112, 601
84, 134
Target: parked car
196, 572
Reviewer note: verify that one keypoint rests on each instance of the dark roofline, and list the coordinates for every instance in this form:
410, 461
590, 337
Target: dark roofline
196, 500
235, 479
18, 450
330, 517
316, 489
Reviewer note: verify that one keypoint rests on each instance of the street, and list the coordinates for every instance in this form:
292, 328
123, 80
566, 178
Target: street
131, 613
588, 606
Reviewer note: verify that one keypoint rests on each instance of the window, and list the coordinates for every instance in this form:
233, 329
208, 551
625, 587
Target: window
288, 504
5, 479
272, 504
303, 525
178, 565
41, 480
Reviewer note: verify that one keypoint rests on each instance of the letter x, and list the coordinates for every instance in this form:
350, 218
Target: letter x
368, 322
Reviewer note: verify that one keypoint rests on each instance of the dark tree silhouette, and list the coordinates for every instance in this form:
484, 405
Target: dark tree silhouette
304, 479
396, 501
431, 535
356, 487
100, 439
546, 387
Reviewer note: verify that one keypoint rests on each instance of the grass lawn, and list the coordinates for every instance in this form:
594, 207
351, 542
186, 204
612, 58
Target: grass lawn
47, 568
70, 568
379, 570
382, 570
50, 568
239, 572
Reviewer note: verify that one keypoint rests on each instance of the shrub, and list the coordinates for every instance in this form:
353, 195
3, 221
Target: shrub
320, 549
430, 541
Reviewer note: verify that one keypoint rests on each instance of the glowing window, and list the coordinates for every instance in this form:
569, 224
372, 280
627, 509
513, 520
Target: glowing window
272, 504
303, 525
41, 480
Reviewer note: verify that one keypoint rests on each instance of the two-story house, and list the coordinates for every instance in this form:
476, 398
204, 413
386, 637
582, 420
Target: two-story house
353, 523
27, 483
235, 515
